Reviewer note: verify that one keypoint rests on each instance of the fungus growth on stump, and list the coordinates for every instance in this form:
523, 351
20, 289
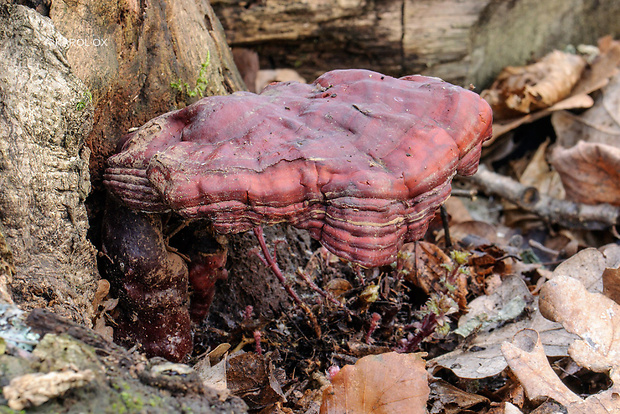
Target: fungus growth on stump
359, 159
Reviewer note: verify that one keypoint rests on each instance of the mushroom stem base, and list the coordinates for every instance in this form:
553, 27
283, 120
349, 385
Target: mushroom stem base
150, 282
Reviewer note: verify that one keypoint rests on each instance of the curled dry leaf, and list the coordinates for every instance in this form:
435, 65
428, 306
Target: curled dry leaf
590, 172
540, 175
483, 357
521, 90
448, 399
592, 316
599, 124
379, 384
424, 264
588, 155
253, 378
594, 77
526, 357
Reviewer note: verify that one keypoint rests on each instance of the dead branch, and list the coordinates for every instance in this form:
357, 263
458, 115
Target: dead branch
563, 212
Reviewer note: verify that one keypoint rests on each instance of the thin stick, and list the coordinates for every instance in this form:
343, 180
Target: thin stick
563, 212
446, 227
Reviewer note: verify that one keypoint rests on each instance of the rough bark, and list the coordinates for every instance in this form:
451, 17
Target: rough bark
44, 118
462, 41
129, 54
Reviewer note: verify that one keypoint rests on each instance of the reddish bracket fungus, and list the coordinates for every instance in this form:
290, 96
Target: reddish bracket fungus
359, 159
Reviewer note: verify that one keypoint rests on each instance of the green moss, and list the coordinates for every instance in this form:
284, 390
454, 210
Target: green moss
201, 81
186, 410
120, 409
86, 99
6, 410
133, 402
155, 401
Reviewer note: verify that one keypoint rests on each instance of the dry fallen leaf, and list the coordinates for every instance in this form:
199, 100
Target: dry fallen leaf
580, 101
489, 311
448, 399
587, 156
423, 264
590, 172
595, 77
379, 384
253, 378
611, 284
599, 124
212, 368
521, 90
604, 66
527, 360
596, 320
540, 175
587, 266
483, 357
592, 316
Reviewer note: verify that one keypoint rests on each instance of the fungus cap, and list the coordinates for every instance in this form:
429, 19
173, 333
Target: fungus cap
359, 159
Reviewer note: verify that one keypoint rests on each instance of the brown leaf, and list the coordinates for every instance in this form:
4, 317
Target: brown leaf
474, 231
449, 399
605, 66
611, 284
379, 384
251, 377
423, 264
592, 316
594, 77
338, 286
600, 124
456, 210
103, 288
540, 175
596, 320
572, 102
521, 90
590, 172
527, 360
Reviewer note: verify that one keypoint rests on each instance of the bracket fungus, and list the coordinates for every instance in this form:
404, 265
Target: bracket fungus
359, 159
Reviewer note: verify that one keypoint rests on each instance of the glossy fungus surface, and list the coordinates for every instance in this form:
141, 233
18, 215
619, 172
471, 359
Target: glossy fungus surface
359, 159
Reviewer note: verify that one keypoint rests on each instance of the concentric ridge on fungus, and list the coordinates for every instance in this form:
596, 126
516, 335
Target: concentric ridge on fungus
359, 159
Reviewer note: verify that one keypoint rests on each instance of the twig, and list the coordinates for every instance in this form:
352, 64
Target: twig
563, 212
461, 192
446, 226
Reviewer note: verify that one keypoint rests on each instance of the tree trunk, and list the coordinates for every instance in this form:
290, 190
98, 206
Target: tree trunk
45, 258
462, 41
130, 54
